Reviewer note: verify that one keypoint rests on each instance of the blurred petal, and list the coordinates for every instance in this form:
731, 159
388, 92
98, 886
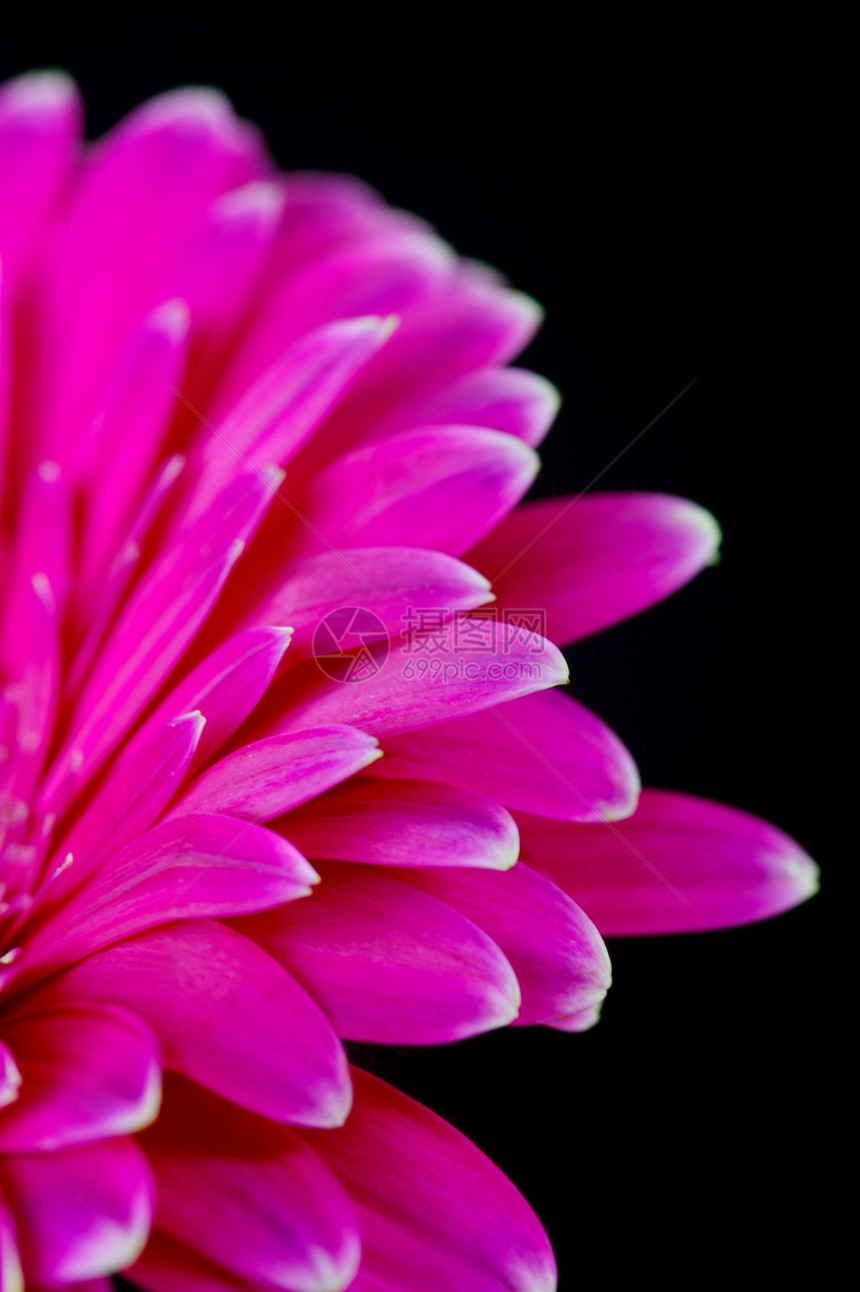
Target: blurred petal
80, 1213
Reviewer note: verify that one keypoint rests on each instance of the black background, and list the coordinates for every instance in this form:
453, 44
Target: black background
644, 192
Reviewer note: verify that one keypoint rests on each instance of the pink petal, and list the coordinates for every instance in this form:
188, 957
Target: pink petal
472, 323
89, 1072
389, 964
582, 1021
161, 618
10, 1077
227, 1016
143, 186
226, 686
679, 864
389, 581
250, 1195
128, 432
512, 400
589, 562
381, 273
81, 1213
434, 1212
262, 780
40, 125
404, 823
185, 869
399, 697
11, 1274
557, 954
169, 1266
217, 272
440, 487
276, 414
542, 753
135, 792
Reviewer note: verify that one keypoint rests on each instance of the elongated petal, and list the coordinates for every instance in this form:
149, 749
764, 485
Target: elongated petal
504, 399
441, 487
128, 431
434, 1212
541, 753
80, 1213
11, 1274
161, 618
88, 1072
556, 952
184, 869
471, 323
250, 1195
400, 695
136, 791
169, 1266
145, 183
592, 561
388, 581
265, 779
678, 865
404, 823
227, 1016
225, 687
389, 964
40, 125
286, 404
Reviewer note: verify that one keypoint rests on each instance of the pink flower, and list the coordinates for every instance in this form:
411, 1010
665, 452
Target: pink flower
180, 326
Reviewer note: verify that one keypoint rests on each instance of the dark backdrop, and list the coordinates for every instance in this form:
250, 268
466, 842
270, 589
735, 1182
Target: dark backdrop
646, 200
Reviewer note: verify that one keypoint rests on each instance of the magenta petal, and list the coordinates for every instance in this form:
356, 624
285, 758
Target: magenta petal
589, 562
169, 1266
679, 864
184, 869
404, 823
227, 1016
265, 779
399, 697
250, 1195
504, 399
441, 487
284, 406
557, 954
434, 1212
40, 122
82, 1212
88, 1072
138, 788
390, 964
543, 753
162, 616
226, 686
128, 432
389, 581
11, 1274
